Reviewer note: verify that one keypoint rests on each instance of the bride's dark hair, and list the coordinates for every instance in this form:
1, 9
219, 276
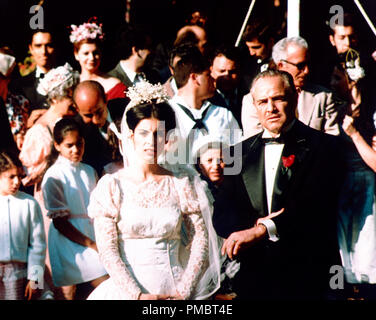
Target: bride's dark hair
161, 111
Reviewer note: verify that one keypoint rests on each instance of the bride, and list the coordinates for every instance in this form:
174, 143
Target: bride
153, 226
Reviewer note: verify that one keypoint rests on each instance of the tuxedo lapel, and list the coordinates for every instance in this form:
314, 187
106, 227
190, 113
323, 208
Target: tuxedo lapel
253, 175
294, 152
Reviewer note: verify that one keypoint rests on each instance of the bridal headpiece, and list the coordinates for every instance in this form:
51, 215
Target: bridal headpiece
145, 92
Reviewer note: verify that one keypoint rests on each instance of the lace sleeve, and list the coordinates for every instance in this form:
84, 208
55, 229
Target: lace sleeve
104, 208
188, 198
197, 233
107, 241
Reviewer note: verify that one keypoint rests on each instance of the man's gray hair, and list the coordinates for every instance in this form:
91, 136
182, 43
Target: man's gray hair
287, 79
280, 48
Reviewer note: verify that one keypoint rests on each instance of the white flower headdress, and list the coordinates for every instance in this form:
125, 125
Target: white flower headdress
56, 77
87, 30
145, 92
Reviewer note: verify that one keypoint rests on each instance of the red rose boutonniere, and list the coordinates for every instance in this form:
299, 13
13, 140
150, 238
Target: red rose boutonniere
288, 161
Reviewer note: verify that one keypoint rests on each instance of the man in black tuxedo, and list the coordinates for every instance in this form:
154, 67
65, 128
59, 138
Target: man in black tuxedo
42, 49
286, 255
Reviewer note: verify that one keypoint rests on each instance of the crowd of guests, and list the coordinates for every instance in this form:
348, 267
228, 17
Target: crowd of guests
114, 184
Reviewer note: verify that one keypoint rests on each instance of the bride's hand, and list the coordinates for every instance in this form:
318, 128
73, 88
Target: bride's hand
147, 296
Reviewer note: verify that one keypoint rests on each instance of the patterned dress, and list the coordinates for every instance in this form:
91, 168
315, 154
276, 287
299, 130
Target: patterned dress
141, 240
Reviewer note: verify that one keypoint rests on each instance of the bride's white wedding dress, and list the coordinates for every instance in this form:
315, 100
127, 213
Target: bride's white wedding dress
140, 237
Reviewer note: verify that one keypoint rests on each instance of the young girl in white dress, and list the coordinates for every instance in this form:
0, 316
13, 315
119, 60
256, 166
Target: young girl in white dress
22, 238
151, 230
66, 186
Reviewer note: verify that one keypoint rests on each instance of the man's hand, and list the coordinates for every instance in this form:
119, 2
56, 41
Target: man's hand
240, 239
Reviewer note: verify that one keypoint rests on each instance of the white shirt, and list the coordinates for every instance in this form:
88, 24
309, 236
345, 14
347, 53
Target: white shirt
38, 72
132, 75
174, 87
22, 235
218, 120
273, 153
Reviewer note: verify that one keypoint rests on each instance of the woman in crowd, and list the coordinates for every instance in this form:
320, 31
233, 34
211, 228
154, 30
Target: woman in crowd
356, 218
57, 85
87, 39
153, 226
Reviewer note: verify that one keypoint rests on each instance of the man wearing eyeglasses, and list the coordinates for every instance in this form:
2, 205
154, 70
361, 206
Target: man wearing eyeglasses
317, 106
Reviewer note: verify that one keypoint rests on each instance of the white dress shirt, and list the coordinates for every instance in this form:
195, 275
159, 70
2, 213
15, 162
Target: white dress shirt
133, 76
273, 153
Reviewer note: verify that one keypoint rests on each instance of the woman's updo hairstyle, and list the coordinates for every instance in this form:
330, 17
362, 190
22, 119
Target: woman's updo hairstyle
161, 111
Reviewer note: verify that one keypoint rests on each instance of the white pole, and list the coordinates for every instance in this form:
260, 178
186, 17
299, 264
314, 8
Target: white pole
293, 18
365, 16
245, 23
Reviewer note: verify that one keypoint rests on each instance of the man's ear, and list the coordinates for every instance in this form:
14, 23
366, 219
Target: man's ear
194, 77
331, 39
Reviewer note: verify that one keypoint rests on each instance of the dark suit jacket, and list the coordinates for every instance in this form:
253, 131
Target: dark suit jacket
151, 75
27, 86
97, 150
296, 266
119, 73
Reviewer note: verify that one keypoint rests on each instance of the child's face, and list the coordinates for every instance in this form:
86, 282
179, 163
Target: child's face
72, 147
10, 181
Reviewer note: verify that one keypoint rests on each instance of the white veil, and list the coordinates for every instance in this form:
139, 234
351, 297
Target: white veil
209, 283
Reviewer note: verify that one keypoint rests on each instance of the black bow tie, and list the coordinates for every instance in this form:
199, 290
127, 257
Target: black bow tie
41, 75
278, 140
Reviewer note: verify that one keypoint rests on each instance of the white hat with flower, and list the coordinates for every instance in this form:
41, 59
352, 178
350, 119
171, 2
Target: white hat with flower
55, 78
87, 30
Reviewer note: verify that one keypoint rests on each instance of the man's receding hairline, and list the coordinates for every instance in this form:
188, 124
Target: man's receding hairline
87, 86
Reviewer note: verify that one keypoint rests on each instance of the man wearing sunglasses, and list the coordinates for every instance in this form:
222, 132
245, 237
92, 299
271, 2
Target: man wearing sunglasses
317, 107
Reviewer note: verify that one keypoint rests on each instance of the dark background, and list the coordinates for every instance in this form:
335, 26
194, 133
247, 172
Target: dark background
164, 17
